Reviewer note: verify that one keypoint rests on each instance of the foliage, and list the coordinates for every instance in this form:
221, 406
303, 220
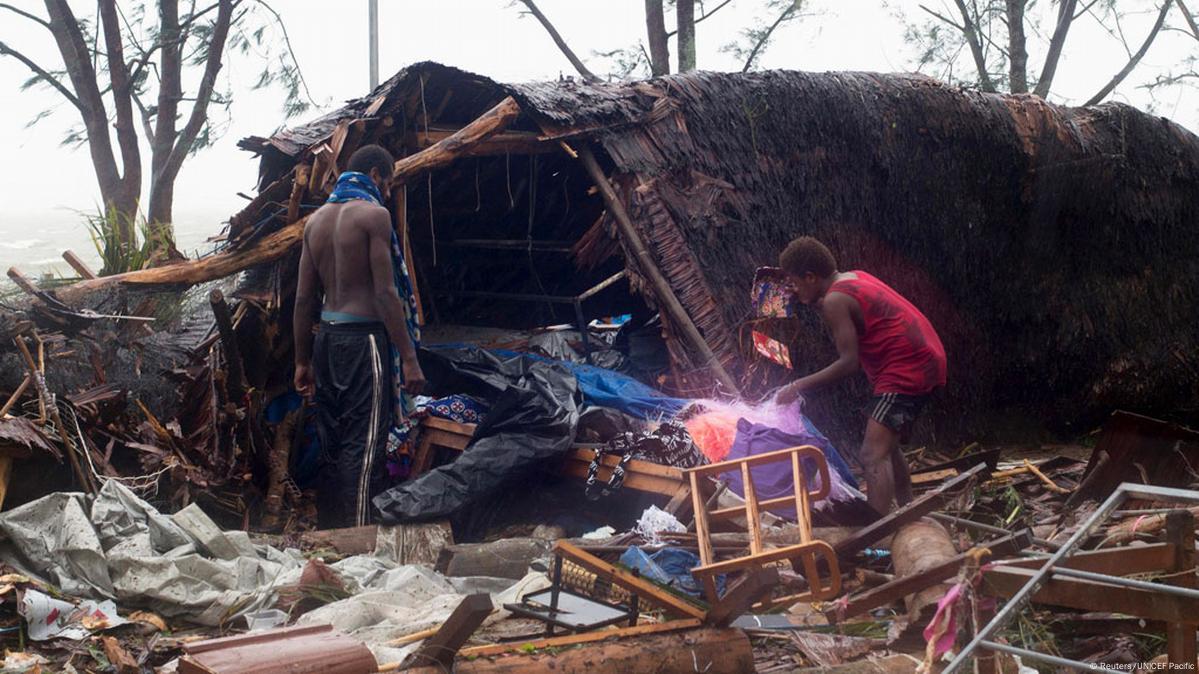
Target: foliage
116, 255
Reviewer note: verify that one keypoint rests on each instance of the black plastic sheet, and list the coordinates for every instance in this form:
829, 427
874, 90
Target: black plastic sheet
534, 411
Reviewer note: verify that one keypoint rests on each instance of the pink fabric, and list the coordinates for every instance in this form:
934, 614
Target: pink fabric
942, 630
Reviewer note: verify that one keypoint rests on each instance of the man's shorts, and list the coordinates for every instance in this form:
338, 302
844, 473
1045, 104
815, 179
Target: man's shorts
897, 411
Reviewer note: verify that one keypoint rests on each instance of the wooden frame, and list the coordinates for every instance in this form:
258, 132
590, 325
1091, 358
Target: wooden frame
438, 432
804, 556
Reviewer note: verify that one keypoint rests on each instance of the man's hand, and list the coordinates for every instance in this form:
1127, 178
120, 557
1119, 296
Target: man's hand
305, 384
789, 393
414, 378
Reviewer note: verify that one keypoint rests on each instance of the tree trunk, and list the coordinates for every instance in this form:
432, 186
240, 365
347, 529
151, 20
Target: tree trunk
1017, 48
685, 9
120, 197
1065, 17
655, 28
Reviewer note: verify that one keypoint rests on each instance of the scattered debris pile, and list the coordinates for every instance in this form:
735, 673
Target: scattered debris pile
596, 437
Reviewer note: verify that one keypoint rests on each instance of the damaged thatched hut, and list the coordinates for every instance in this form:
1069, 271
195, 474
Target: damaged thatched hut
1052, 247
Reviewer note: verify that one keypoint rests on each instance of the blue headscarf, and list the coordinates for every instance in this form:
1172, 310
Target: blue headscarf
353, 185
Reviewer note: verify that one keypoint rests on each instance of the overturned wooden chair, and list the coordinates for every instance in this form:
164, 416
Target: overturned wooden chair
804, 557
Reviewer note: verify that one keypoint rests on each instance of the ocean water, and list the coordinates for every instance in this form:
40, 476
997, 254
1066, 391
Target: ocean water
34, 242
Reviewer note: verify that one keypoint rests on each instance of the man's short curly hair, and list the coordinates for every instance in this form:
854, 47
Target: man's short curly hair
370, 157
806, 254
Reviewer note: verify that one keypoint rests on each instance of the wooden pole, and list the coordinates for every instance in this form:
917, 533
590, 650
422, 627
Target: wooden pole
78, 264
235, 380
645, 262
12, 400
40, 383
1180, 637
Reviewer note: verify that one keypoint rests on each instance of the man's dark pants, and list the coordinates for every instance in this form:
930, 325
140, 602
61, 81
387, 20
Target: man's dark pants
351, 364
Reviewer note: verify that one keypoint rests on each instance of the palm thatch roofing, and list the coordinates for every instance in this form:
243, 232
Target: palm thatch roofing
1052, 247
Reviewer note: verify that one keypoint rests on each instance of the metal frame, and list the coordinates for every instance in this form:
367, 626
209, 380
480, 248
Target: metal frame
1122, 493
575, 300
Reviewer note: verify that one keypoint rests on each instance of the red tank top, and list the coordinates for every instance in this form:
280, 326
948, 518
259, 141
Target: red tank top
898, 348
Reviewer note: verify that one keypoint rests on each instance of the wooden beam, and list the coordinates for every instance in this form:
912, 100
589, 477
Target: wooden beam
909, 513
638, 586
705, 649
584, 638
78, 265
645, 263
507, 142
441, 649
277, 244
1115, 561
1180, 637
457, 144
754, 586
1089, 595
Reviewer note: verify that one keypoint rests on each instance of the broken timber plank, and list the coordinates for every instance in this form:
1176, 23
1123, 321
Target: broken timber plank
441, 649
1180, 637
297, 650
901, 587
1088, 595
907, 513
754, 586
584, 638
78, 264
706, 649
1121, 561
639, 586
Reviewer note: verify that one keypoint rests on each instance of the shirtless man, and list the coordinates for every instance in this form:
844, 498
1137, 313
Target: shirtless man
879, 331
347, 266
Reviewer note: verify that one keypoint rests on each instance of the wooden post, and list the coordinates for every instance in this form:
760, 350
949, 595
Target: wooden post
399, 209
1180, 637
40, 382
645, 262
440, 649
235, 379
16, 395
78, 265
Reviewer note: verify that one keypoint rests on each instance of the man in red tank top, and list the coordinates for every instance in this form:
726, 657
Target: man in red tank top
880, 332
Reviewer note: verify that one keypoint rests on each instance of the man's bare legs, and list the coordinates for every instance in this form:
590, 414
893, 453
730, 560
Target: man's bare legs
887, 476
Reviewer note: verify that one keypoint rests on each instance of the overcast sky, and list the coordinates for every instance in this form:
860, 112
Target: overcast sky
43, 185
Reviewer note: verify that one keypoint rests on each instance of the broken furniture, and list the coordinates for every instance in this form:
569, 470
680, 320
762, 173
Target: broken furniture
804, 556
630, 582
293, 649
1164, 454
1086, 580
560, 606
436, 434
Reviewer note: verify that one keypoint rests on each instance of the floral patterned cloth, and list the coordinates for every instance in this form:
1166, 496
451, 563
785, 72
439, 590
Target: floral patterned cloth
771, 296
459, 408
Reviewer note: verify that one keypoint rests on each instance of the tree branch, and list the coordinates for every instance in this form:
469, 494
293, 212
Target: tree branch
944, 18
290, 50
1186, 13
1065, 17
765, 37
976, 48
5, 50
1017, 48
199, 113
147, 128
1135, 59
119, 78
75, 56
27, 15
702, 17
1084, 10
562, 46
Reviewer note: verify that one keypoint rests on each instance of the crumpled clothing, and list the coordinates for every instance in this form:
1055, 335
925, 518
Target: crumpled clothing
458, 408
771, 296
